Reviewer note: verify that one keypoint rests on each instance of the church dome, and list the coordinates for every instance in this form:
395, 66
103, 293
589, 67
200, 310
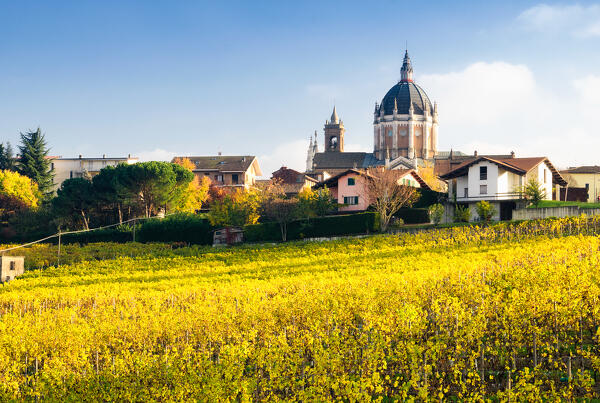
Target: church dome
403, 95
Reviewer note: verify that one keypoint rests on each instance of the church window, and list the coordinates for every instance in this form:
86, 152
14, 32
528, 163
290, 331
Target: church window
350, 181
333, 142
483, 189
483, 173
390, 132
403, 132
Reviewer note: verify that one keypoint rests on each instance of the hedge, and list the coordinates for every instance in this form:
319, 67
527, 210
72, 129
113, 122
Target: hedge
119, 235
188, 228
348, 224
429, 197
413, 215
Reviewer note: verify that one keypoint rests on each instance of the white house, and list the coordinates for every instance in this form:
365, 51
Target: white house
80, 167
499, 181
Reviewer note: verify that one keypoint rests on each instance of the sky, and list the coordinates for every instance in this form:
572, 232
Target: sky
156, 79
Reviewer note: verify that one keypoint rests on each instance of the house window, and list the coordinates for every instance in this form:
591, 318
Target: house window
12, 265
545, 179
587, 186
483, 189
466, 192
351, 200
234, 179
351, 182
70, 174
206, 174
483, 173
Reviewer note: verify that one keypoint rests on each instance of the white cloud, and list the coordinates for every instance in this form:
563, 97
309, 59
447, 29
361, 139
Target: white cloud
577, 20
291, 155
157, 154
482, 93
498, 107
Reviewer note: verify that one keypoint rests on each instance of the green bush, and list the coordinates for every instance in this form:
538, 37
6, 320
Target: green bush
429, 197
413, 215
188, 228
348, 224
462, 213
436, 212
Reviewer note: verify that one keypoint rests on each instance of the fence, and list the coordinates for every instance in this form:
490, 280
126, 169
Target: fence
60, 234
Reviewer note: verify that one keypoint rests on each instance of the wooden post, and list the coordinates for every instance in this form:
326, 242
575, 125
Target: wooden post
535, 363
134, 230
569, 369
58, 263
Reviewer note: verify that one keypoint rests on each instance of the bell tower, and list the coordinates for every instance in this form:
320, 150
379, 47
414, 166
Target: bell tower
334, 133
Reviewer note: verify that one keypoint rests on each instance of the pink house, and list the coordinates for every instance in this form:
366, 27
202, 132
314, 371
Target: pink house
350, 191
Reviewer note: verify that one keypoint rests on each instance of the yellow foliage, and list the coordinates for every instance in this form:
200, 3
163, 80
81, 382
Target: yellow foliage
19, 187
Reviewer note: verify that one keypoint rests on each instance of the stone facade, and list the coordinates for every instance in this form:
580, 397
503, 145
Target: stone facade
11, 267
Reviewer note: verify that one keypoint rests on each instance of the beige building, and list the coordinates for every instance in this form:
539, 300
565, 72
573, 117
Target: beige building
11, 267
587, 177
227, 171
80, 167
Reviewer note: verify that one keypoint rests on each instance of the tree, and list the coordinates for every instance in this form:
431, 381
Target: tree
194, 195
17, 193
386, 195
436, 213
485, 211
34, 162
283, 212
109, 193
316, 202
74, 200
534, 192
7, 159
154, 184
236, 209
427, 173
185, 162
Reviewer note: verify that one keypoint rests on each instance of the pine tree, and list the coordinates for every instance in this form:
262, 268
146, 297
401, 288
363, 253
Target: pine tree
7, 160
34, 163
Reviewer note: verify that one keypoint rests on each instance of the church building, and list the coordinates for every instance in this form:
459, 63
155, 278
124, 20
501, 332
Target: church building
405, 130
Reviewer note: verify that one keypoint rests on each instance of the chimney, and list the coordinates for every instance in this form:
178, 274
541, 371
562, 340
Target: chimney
103, 156
79, 156
475, 153
128, 155
512, 154
219, 153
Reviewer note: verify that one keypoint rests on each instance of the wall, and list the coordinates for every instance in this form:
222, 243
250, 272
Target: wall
6, 274
592, 180
359, 189
64, 167
538, 213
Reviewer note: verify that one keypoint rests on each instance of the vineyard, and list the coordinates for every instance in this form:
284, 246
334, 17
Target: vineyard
503, 312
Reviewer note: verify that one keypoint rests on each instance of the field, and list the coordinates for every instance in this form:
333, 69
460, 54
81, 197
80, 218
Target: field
455, 314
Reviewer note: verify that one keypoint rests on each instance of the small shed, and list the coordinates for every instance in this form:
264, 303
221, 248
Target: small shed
228, 236
11, 267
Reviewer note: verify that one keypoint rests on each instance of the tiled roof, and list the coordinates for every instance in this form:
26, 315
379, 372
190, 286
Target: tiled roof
222, 163
587, 169
517, 165
344, 160
291, 176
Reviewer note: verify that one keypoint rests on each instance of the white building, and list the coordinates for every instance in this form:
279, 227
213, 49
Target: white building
499, 181
69, 168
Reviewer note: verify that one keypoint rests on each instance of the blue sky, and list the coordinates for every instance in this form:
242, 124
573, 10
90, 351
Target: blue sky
156, 79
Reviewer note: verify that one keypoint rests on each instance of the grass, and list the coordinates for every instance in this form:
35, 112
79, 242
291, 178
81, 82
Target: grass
557, 203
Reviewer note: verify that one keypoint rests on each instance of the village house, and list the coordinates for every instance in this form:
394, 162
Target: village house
292, 181
228, 171
582, 180
499, 182
349, 188
80, 167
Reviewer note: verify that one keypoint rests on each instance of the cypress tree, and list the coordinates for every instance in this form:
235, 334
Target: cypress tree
34, 163
7, 159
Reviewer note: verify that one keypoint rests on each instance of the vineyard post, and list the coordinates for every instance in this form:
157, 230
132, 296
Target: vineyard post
58, 258
509, 385
535, 350
134, 230
569, 368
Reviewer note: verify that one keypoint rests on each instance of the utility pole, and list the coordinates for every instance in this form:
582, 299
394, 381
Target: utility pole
58, 264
